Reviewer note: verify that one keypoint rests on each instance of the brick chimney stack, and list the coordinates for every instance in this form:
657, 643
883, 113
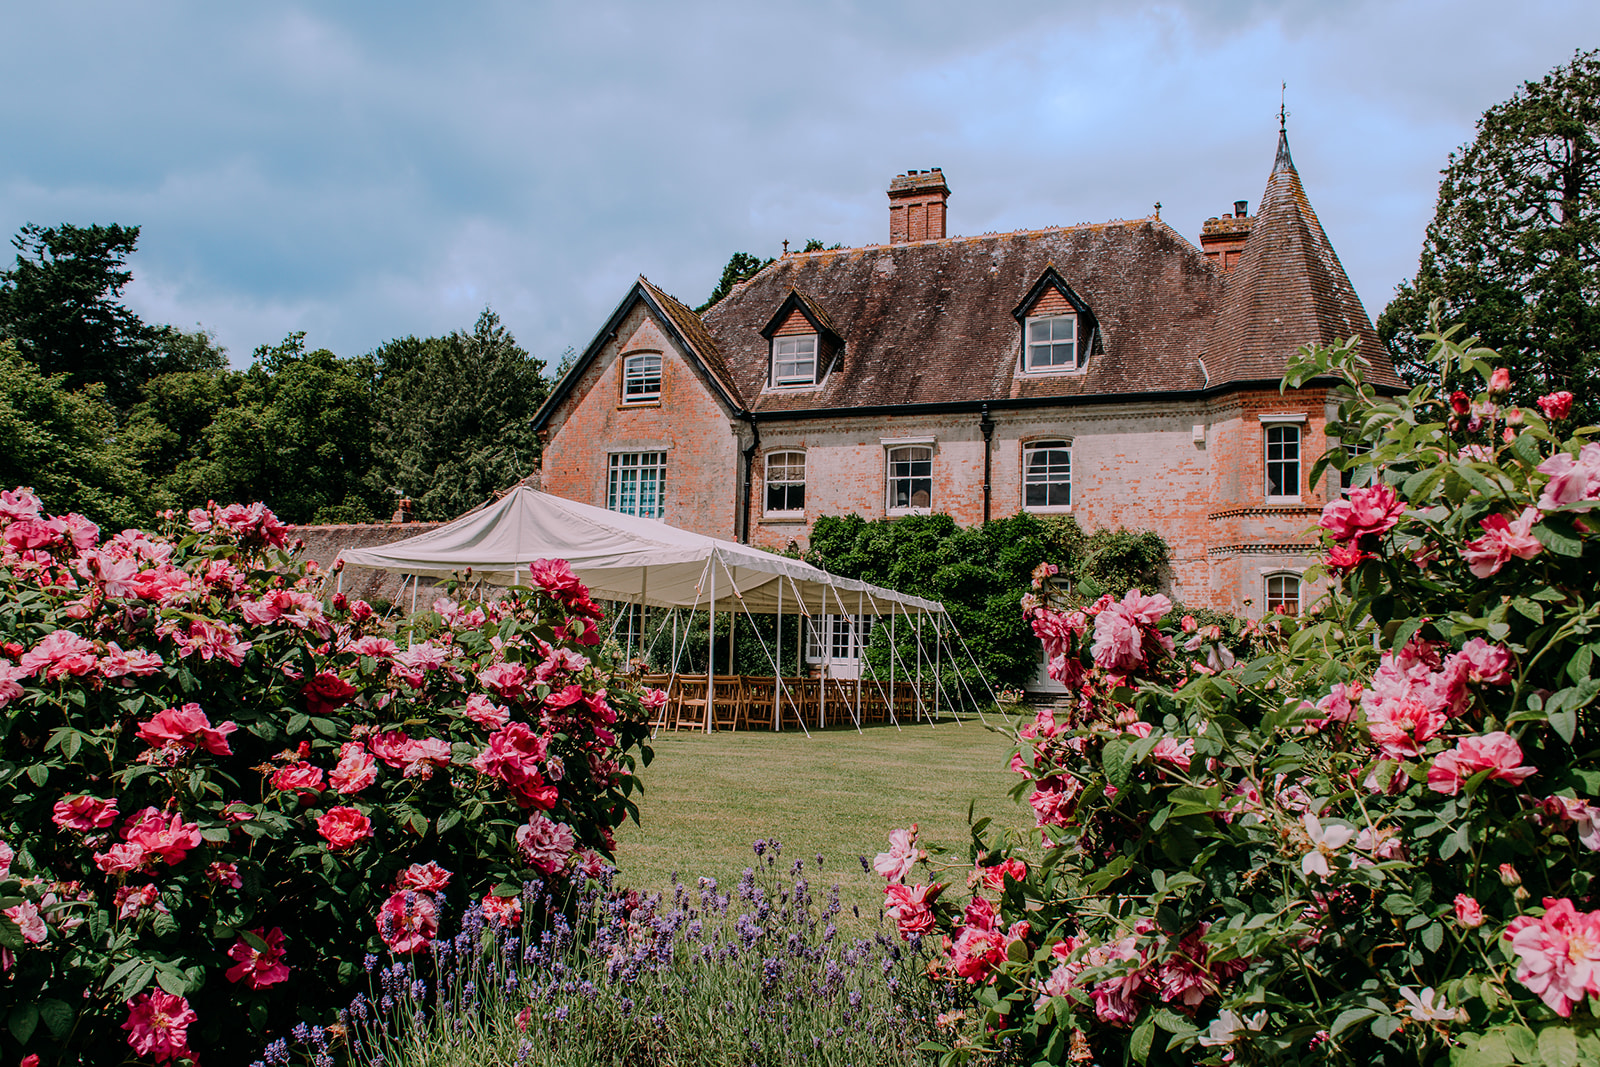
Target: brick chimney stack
1222, 240
917, 206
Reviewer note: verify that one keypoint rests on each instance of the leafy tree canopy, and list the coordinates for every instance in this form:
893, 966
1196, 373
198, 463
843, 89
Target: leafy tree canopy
62, 305
455, 417
63, 443
742, 266
1514, 247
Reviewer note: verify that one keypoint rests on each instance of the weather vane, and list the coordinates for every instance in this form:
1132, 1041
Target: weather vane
1283, 113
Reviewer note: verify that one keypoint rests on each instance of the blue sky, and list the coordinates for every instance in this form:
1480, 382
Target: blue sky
362, 171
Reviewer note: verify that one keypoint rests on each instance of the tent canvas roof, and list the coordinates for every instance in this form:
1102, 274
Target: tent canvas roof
622, 557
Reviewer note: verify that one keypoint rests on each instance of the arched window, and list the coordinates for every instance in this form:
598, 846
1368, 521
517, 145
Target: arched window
1283, 594
641, 378
910, 478
786, 483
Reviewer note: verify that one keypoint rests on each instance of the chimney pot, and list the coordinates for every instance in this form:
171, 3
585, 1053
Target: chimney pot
1241, 208
917, 202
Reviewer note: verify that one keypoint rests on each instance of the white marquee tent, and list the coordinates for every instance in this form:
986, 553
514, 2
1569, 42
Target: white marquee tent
636, 561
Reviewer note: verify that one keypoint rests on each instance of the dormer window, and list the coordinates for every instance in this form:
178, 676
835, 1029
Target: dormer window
802, 344
641, 378
794, 359
1058, 328
1052, 343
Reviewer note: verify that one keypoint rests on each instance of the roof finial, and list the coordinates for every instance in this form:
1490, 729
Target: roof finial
1283, 160
785, 246
1283, 113
1158, 211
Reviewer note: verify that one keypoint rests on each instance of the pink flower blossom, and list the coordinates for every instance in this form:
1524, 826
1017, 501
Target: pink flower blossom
1178, 754
158, 1025
902, 855
121, 859
425, 877
131, 901
84, 813
1325, 841
299, 777
166, 836
502, 912
407, 921
17, 504
376, 647
1486, 663
977, 951
29, 922
258, 968
60, 654
326, 693
545, 843
513, 756
425, 754
211, 640
508, 680
1468, 912
343, 827
555, 577
1558, 954
486, 713
1054, 800
995, 877
355, 770
119, 664
1572, 480
1498, 753
11, 675
6, 856
1501, 541
1122, 629
1557, 405
1368, 511
186, 727
911, 907
224, 874
391, 747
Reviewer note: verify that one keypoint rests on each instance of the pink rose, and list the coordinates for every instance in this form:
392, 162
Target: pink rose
407, 921
84, 813
1556, 405
390, 747
911, 907
343, 827
29, 922
355, 770
1170, 751
545, 843
121, 859
158, 1025
1558, 954
1365, 512
902, 855
299, 777
485, 712
502, 912
60, 654
258, 967
1468, 912
1498, 753
1122, 629
424, 877
187, 726
224, 874
166, 836
1501, 541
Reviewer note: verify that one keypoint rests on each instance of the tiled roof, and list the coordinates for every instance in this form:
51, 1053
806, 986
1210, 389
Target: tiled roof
694, 333
930, 321
1288, 289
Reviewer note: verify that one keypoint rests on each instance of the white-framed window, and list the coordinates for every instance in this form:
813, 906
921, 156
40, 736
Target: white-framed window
1046, 475
794, 359
1283, 594
786, 483
910, 478
1354, 477
1052, 343
637, 483
1282, 445
641, 378
838, 639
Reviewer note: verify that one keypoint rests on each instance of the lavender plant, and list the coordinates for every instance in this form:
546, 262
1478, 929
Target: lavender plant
762, 973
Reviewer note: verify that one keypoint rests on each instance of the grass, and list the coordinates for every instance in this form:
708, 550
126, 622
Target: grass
837, 793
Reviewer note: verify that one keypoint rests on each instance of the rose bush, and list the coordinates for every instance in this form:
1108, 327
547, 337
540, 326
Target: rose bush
225, 790
1372, 841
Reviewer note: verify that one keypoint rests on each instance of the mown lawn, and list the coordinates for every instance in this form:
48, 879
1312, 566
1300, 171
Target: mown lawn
837, 793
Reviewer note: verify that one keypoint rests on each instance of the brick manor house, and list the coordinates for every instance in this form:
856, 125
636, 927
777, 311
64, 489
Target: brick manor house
1113, 371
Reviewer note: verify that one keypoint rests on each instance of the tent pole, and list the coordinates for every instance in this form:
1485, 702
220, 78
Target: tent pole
777, 679
416, 579
711, 644
733, 624
338, 583
644, 585
894, 650
938, 665
858, 632
919, 666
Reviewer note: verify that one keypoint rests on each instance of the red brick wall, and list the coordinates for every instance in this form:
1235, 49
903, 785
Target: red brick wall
1051, 302
689, 423
795, 323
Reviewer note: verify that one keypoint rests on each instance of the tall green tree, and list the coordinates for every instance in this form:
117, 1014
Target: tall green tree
1513, 250
741, 267
64, 444
61, 303
455, 417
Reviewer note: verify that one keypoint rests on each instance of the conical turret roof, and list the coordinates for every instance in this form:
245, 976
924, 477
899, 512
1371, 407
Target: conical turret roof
1289, 289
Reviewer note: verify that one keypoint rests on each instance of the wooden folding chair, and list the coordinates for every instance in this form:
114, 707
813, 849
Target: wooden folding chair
689, 703
727, 702
758, 689
662, 715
